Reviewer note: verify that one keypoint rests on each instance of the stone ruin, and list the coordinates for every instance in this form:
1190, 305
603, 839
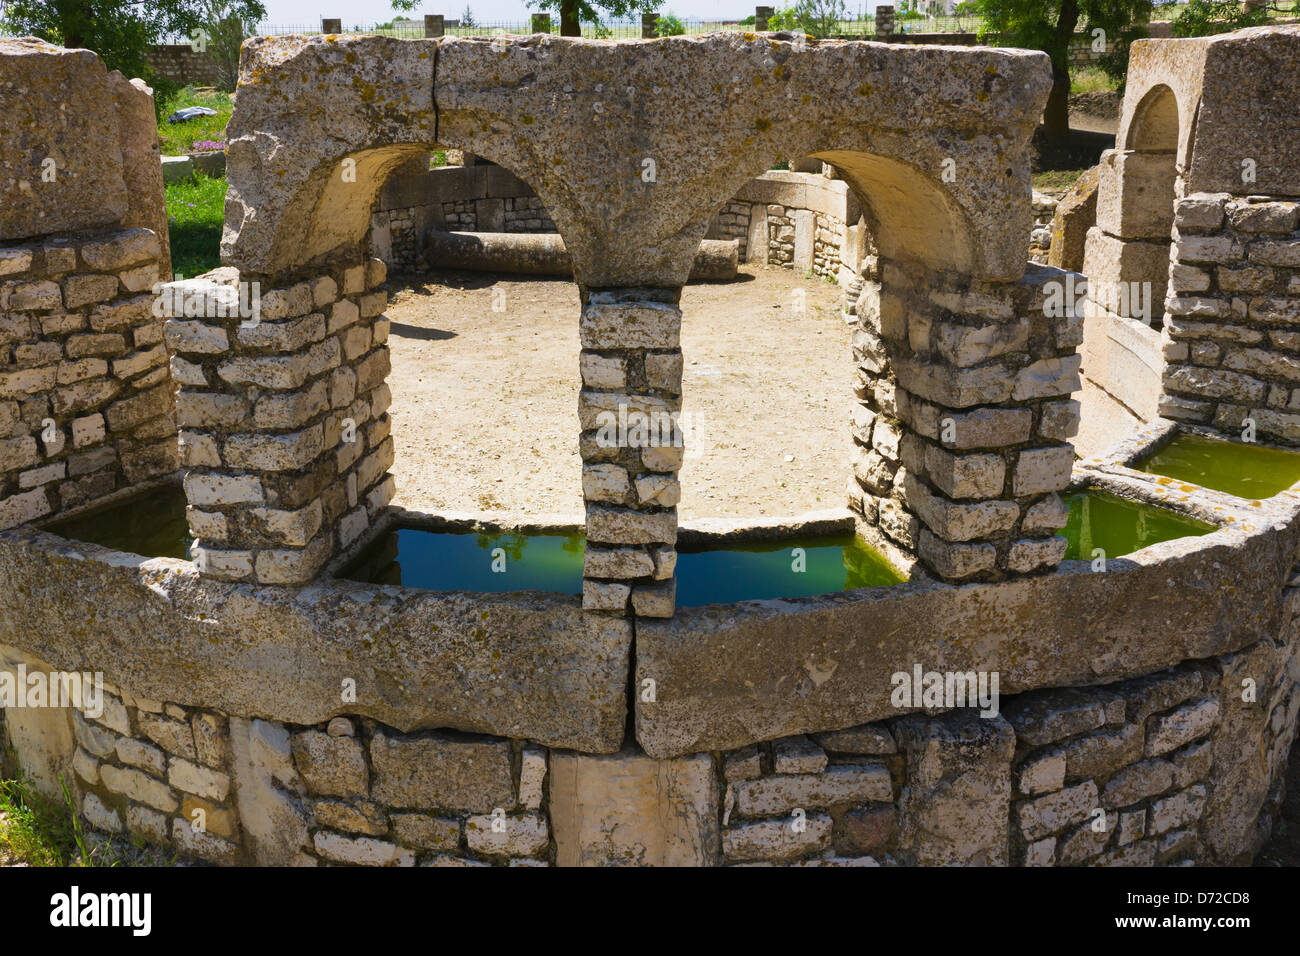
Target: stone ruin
1124, 687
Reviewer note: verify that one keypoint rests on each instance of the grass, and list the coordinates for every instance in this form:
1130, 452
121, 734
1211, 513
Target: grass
179, 138
1056, 180
36, 830
1090, 79
195, 211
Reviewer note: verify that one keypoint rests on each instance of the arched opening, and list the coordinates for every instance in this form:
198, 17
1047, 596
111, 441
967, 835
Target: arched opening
1127, 265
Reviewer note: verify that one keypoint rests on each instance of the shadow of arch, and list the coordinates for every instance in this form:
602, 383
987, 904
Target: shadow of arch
910, 215
1154, 128
329, 215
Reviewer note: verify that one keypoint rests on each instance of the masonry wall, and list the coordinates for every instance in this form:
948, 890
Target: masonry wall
283, 416
85, 394
184, 65
1149, 771
963, 420
1232, 336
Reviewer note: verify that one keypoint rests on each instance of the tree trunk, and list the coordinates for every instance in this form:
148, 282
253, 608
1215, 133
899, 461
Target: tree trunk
1056, 117
569, 25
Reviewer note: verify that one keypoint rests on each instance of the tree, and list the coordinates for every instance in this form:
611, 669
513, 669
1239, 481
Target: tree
574, 13
120, 31
669, 25
467, 18
1202, 18
818, 18
1049, 25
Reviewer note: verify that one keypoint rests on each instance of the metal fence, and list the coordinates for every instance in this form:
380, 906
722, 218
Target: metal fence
616, 29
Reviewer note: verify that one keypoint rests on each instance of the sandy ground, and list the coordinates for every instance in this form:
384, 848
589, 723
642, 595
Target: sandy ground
485, 402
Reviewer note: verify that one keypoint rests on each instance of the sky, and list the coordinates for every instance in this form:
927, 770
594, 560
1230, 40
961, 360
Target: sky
303, 12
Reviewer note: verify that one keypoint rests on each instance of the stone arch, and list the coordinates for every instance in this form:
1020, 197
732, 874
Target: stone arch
1155, 124
633, 147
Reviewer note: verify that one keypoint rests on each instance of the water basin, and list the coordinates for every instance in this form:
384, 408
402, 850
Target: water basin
1120, 526
1238, 468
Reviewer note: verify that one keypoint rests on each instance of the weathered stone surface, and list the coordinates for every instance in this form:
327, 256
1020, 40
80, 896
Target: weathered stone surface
777, 839
268, 791
1170, 731
438, 770
426, 832
727, 677
522, 835
1054, 812
630, 810
957, 794
334, 766
866, 739
275, 158
360, 850
837, 786
60, 116
558, 677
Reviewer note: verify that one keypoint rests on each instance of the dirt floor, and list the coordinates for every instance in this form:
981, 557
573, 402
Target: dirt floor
485, 402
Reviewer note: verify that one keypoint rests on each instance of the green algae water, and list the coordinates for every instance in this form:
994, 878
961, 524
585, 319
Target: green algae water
1244, 470
151, 525
448, 561
795, 567
1119, 526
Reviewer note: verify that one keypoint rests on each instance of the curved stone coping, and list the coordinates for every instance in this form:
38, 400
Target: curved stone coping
524, 664
726, 676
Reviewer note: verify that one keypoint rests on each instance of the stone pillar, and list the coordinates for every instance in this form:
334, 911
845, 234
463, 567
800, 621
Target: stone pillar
85, 401
884, 22
331, 25
283, 412
631, 445
434, 25
541, 23
964, 420
1232, 326
1127, 251
649, 25
761, 17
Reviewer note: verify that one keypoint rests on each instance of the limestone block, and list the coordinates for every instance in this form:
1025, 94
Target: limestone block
628, 809
1135, 194
957, 793
60, 116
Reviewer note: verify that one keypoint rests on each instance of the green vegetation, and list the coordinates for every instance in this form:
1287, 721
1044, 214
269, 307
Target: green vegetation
195, 212
120, 31
179, 138
669, 25
1056, 180
1205, 17
38, 831
1050, 26
1090, 79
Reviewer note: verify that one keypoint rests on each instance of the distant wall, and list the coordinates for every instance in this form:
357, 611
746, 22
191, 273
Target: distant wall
183, 65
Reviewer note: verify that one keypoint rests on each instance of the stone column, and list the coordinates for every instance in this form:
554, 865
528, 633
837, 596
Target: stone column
331, 25
283, 416
884, 22
541, 23
631, 445
434, 25
649, 22
1232, 330
85, 403
761, 17
964, 419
